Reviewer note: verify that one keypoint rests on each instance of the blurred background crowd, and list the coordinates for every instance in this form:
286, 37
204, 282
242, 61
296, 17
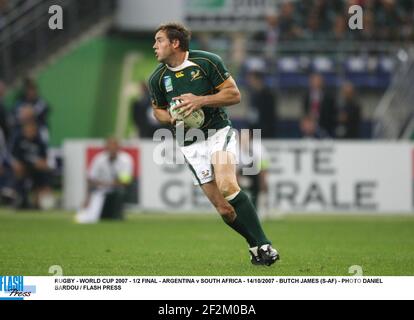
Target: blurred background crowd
303, 73
24, 139
388, 20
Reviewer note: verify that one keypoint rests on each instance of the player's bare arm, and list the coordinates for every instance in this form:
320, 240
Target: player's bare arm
228, 95
162, 115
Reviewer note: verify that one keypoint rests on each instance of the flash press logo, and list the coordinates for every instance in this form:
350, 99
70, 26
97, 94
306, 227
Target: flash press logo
12, 288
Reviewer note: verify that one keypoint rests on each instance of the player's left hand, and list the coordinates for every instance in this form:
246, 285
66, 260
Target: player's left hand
189, 103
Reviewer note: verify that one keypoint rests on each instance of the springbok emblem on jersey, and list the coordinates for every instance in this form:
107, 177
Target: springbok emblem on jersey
195, 75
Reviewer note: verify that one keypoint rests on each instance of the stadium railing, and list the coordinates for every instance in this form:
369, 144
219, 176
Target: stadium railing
394, 117
367, 65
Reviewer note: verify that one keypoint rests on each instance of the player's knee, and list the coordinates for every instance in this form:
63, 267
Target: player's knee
228, 188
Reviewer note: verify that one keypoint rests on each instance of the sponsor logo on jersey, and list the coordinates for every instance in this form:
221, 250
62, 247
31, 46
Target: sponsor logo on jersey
195, 75
179, 75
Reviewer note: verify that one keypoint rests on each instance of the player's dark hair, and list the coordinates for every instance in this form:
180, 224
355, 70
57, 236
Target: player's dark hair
177, 31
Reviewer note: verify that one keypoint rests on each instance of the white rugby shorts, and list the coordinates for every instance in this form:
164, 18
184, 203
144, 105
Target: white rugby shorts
199, 154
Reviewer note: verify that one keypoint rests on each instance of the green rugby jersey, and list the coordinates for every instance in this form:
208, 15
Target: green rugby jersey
200, 74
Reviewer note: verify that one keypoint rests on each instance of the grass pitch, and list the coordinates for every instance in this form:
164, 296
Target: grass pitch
198, 245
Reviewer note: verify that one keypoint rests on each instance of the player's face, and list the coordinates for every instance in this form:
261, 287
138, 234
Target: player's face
163, 47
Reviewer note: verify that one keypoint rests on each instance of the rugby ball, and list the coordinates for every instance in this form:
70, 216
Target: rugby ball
194, 120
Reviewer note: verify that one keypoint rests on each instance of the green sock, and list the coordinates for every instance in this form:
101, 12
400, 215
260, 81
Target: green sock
238, 226
248, 216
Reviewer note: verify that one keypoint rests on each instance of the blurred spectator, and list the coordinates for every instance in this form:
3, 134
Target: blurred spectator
142, 114
312, 28
388, 20
369, 32
407, 17
319, 103
263, 105
4, 126
31, 170
349, 114
270, 35
310, 129
4, 156
340, 29
111, 172
288, 22
31, 107
7, 193
324, 12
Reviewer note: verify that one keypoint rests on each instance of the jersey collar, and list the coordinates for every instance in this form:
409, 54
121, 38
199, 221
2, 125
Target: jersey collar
184, 65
